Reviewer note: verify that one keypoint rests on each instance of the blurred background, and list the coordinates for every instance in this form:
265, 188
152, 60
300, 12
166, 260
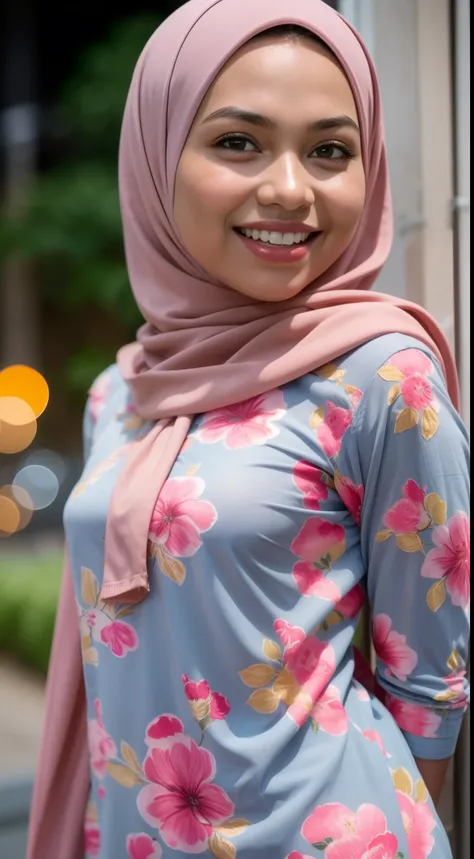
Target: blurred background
65, 304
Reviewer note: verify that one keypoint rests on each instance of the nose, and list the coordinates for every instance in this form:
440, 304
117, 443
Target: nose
287, 184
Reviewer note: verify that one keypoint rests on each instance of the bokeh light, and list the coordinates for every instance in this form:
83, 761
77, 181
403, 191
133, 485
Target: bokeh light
16, 510
17, 424
39, 483
24, 395
26, 384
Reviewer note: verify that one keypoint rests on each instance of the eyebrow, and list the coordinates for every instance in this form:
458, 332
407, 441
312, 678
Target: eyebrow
251, 118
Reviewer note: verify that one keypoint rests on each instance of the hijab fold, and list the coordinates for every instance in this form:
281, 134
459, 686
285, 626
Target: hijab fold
205, 346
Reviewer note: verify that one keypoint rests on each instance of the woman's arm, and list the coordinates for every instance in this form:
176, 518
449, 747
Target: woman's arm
408, 450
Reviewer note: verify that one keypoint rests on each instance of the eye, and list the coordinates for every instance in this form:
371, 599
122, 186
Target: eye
333, 152
236, 143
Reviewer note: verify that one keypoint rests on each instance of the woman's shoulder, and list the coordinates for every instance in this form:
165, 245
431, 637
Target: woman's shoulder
389, 354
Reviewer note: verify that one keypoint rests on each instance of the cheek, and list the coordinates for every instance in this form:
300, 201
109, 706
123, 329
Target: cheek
205, 189
344, 200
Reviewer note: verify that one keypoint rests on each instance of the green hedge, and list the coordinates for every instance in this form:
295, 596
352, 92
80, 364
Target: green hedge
29, 590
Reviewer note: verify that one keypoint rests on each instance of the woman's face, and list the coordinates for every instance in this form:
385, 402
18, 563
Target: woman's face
270, 186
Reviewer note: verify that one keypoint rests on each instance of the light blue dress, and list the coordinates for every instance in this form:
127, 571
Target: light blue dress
224, 717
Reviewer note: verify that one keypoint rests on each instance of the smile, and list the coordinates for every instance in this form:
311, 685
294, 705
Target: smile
275, 247
276, 238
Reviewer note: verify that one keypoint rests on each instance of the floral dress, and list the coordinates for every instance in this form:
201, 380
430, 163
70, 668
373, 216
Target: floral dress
224, 718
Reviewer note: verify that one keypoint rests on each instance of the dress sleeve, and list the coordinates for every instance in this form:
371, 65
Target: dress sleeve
407, 453
62, 778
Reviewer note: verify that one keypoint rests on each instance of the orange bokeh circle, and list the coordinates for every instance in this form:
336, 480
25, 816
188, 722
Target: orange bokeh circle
16, 510
17, 425
26, 384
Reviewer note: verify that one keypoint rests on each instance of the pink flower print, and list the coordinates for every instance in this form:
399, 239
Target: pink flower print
141, 846
329, 714
332, 428
244, 424
417, 392
309, 481
101, 792
351, 494
418, 822
455, 693
206, 705
312, 664
319, 539
119, 637
374, 737
101, 744
288, 634
98, 394
91, 838
411, 362
180, 516
196, 691
220, 706
451, 558
351, 835
350, 605
295, 854
362, 694
312, 582
413, 718
408, 515
181, 800
162, 729
355, 395
392, 649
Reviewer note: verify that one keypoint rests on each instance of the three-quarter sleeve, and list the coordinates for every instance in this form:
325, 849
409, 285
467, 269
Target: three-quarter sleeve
407, 452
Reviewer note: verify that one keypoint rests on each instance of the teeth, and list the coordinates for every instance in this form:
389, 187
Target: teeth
275, 238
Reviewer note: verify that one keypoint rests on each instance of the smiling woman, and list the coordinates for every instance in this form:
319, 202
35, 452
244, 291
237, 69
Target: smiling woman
245, 459
274, 162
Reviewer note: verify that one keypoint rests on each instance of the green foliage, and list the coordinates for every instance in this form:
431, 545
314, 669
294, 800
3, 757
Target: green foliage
69, 225
29, 590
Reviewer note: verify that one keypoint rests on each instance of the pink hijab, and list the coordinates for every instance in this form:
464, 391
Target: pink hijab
205, 346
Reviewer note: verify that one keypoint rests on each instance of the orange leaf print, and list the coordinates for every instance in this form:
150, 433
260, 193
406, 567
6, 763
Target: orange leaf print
264, 701
232, 827
383, 535
436, 595
123, 775
455, 662
171, 567
331, 373
89, 587
436, 508
406, 419
402, 781
429, 423
257, 675
421, 792
221, 849
131, 759
317, 417
409, 542
393, 393
286, 687
390, 373
271, 650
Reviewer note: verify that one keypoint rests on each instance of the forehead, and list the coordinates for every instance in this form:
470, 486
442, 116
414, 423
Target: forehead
274, 74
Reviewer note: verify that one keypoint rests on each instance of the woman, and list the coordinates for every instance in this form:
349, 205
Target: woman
278, 444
